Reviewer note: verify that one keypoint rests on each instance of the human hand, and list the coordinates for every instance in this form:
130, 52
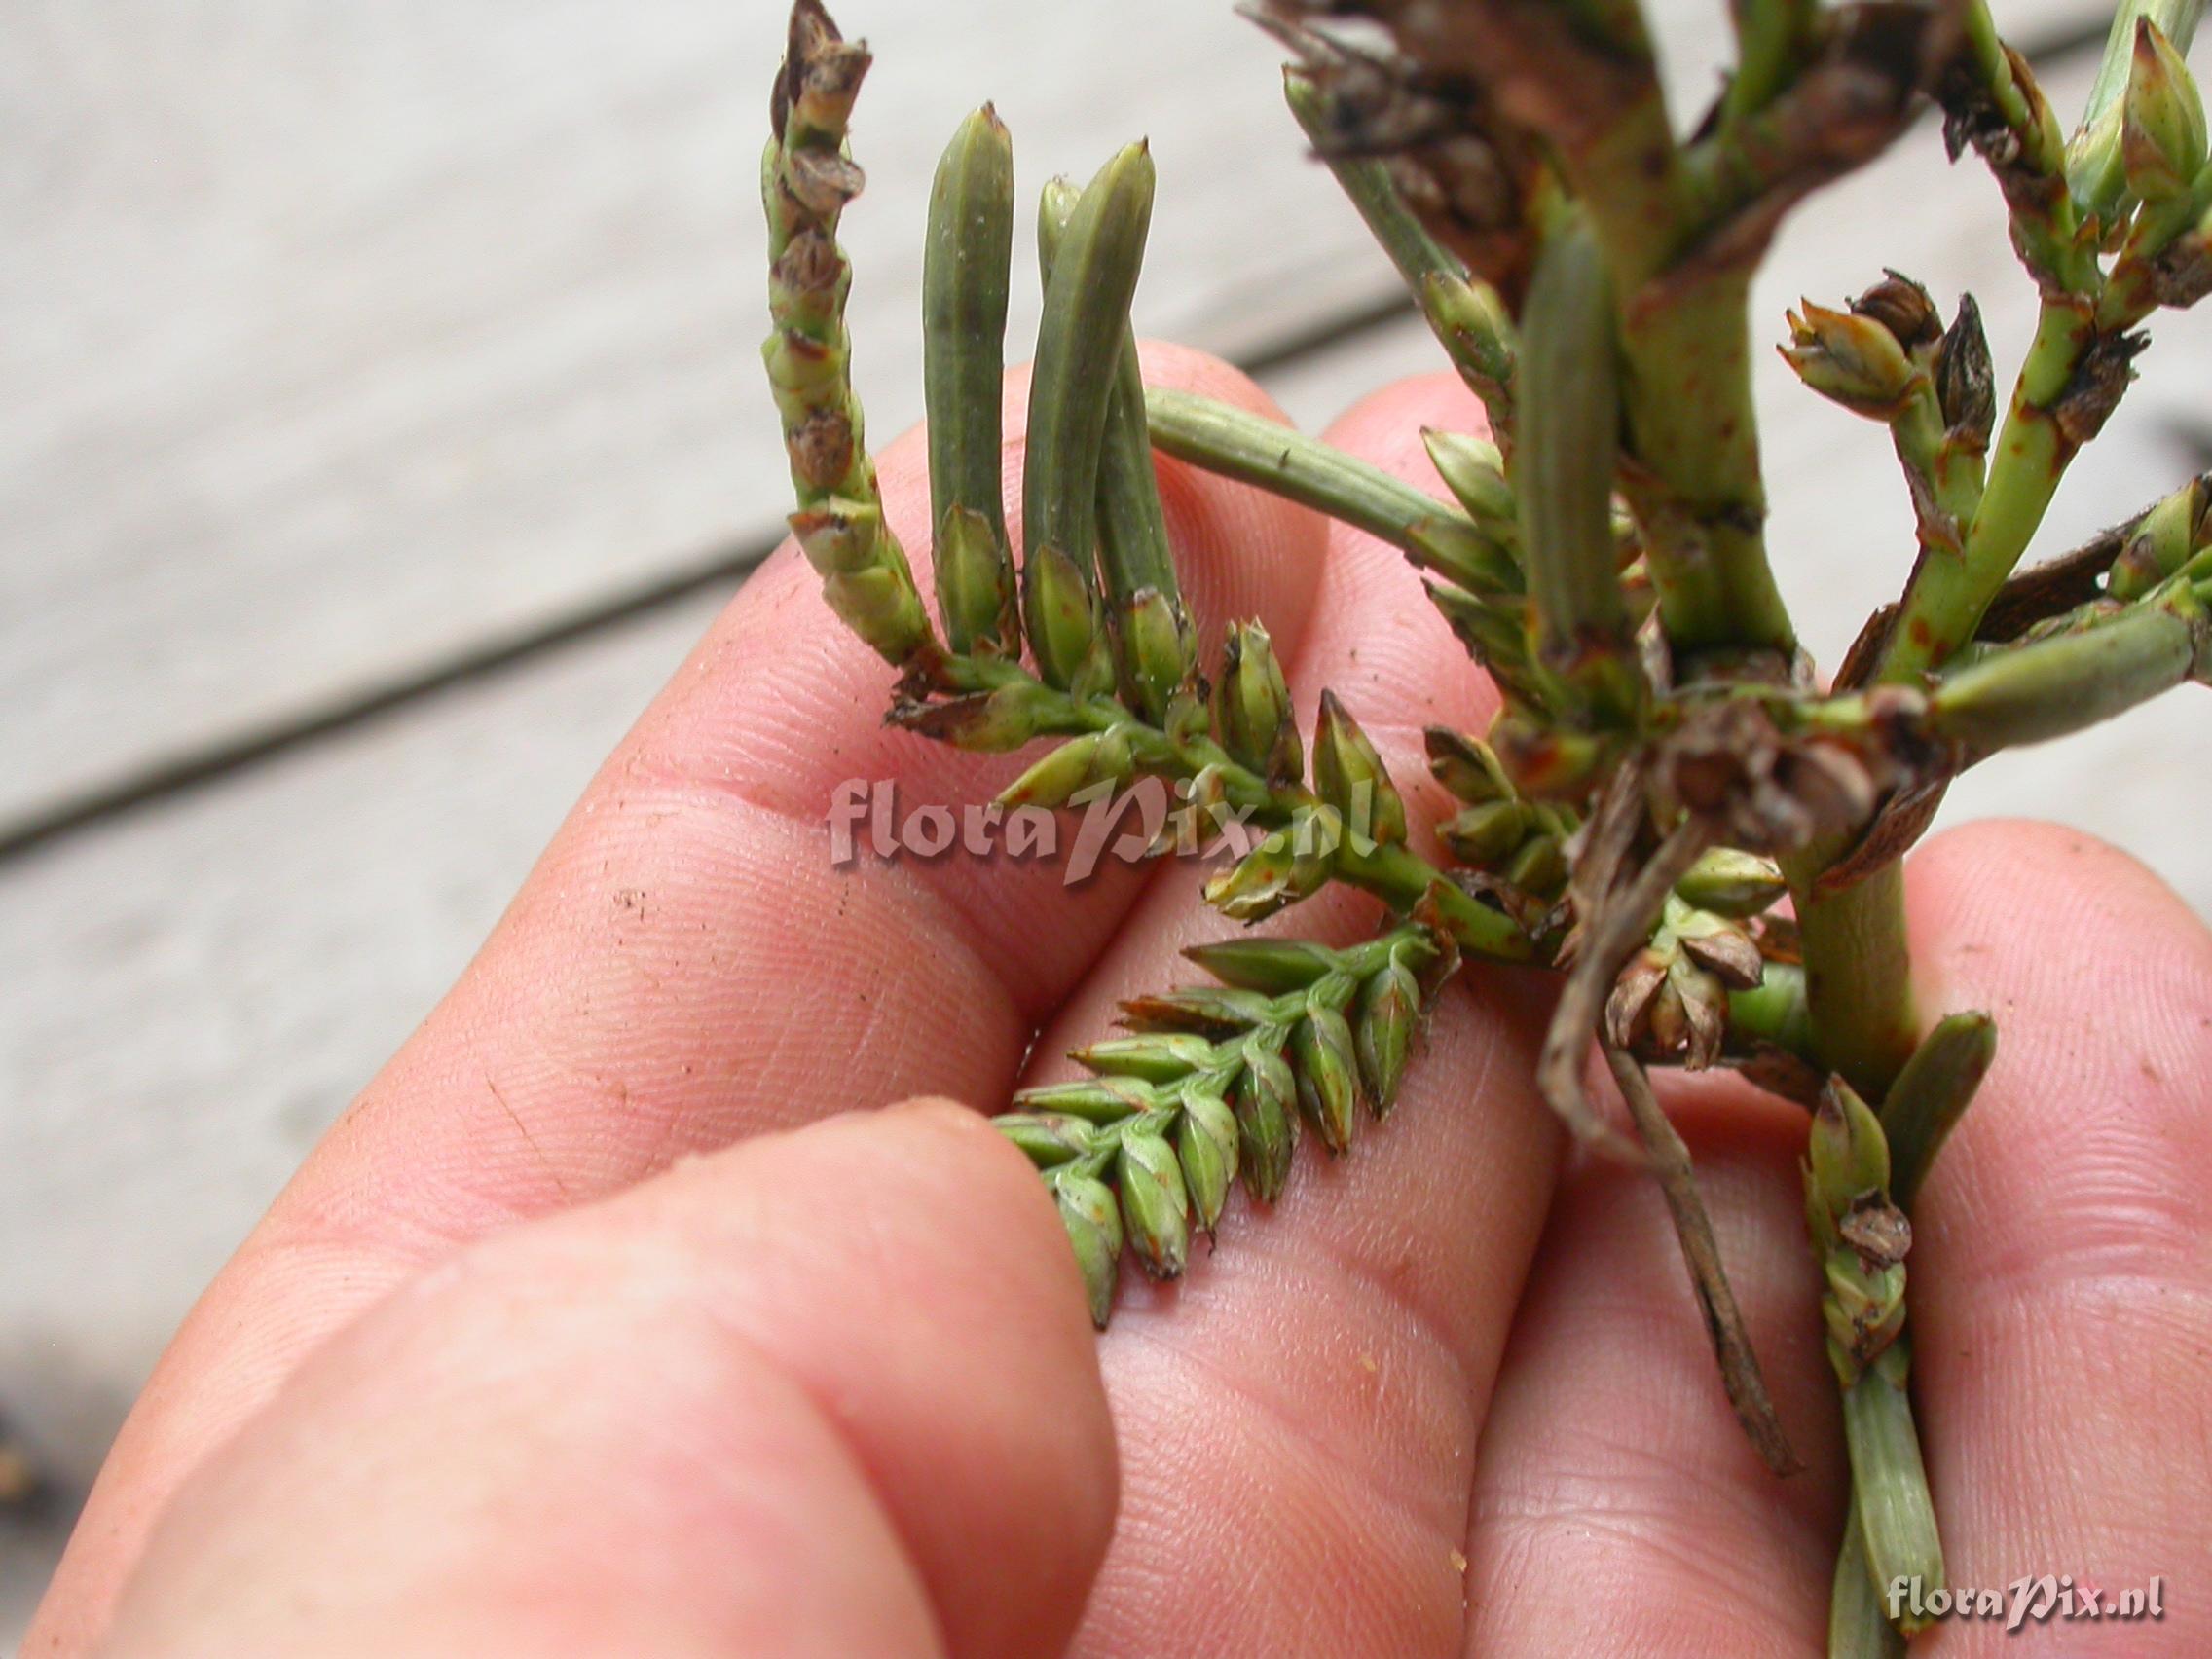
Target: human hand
581, 1334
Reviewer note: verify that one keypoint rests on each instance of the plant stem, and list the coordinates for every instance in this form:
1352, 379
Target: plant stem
1772, 37
1570, 433
1394, 873
1474, 329
2050, 686
1858, 970
1693, 432
1949, 592
1254, 450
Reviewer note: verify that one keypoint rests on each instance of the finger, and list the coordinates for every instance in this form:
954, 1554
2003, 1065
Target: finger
2061, 1277
685, 965
1618, 1505
1298, 1416
2038, 1445
785, 1399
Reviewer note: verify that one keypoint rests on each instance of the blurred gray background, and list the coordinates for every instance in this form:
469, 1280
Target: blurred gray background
381, 420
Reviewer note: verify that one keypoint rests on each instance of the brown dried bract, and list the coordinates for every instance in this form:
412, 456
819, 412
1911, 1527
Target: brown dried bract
1877, 1230
1875, 61
821, 74
1901, 821
2094, 390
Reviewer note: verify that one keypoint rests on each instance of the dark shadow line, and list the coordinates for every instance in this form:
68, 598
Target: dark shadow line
250, 749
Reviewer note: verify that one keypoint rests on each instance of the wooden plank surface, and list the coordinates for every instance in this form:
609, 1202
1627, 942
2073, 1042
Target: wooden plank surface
345, 341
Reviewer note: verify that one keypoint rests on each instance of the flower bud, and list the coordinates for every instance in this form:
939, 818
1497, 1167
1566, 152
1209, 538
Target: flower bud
1468, 555
1046, 1139
1094, 1099
1472, 469
1698, 1000
1717, 945
1151, 1058
1266, 1100
2163, 540
1864, 1311
1540, 867
975, 584
1251, 707
1095, 757
1466, 766
988, 722
2161, 133
1348, 774
1483, 835
1327, 1065
1158, 651
1494, 630
1155, 1205
1272, 966
1094, 1227
1390, 1014
880, 604
1208, 1011
1903, 307
1847, 1155
1966, 385
1206, 1140
839, 537
1545, 760
1731, 883
1062, 616
1851, 360
1291, 864
1472, 314
1636, 991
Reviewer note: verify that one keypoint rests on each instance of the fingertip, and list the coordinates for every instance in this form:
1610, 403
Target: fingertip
933, 1315
2060, 1284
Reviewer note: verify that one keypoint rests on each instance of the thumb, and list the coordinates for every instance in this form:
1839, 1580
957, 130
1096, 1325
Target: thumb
827, 1392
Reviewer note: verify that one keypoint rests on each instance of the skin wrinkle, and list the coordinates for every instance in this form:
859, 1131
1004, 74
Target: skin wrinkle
1336, 1452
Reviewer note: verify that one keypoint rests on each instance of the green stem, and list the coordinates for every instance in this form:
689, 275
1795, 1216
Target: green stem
1858, 970
1473, 329
1394, 873
1224, 439
1570, 396
2060, 683
1949, 592
1773, 37
1692, 429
